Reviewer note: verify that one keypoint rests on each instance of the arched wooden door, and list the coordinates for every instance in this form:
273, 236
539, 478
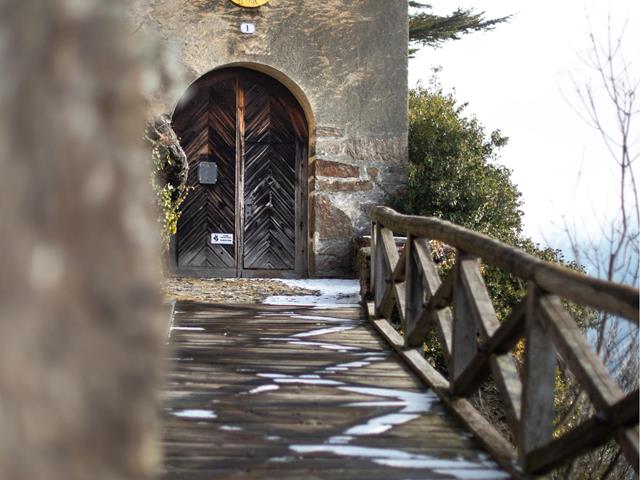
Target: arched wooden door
246, 140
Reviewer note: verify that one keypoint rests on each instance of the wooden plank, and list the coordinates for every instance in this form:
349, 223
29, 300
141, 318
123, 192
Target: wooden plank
574, 347
381, 270
465, 345
372, 277
414, 298
585, 437
502, 341
628, 441
239, 230
246, 428
585, 364
496, 445
618, 299
431, 284
392, 262
301, 196
503, 367
399, 295
391, 256
443, 297
539, 375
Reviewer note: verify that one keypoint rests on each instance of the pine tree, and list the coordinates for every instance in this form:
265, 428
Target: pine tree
428, 29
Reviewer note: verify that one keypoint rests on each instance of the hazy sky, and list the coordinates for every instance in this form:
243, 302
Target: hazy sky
515, 78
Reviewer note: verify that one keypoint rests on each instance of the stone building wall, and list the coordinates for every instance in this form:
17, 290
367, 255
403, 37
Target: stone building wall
345, 61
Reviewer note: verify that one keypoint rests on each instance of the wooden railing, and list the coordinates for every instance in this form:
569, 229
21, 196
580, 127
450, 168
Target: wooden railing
477, 345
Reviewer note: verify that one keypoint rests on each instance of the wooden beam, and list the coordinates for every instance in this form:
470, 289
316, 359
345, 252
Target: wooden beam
389, 253
431, 284
414, 299
536, 424
503, 367
585, 365
585, 437
372, 277
443, 297
501, 342
618, 299
499, 448
628, 441
580, 357
465, 331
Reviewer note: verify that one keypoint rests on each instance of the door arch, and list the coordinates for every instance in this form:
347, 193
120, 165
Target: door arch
246, 139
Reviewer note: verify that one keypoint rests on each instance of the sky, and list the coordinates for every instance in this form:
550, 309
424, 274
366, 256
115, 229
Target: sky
518, 79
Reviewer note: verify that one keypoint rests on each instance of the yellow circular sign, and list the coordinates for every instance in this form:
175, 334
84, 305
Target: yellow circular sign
250, 3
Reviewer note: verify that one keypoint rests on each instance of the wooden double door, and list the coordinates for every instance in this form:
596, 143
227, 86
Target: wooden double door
246, 141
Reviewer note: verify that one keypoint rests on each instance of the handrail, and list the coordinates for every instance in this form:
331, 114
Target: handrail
477, 345
614, 298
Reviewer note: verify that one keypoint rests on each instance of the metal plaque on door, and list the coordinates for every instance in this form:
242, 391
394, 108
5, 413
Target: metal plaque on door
207, 173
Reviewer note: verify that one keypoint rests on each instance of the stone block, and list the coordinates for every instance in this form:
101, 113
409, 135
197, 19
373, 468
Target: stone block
373, 172
330, 222
328, 168
323, 185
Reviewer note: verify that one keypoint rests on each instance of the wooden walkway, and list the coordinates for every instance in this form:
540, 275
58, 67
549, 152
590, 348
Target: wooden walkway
260, 392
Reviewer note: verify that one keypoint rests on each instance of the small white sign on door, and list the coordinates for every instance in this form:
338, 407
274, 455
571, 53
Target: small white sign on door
222, 238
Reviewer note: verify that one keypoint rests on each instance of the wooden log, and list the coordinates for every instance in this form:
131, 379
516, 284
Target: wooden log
620, 300
536, 425
503, 367
585, 437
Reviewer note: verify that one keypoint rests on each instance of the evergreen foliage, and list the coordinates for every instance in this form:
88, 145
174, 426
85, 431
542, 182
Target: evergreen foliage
427, 29
454, 175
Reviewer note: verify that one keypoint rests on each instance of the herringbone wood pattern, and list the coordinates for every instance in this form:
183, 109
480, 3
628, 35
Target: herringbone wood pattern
208, 130
269, 238
242, 114
270, 176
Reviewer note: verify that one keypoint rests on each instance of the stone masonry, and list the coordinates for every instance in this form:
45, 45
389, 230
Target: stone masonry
345, 61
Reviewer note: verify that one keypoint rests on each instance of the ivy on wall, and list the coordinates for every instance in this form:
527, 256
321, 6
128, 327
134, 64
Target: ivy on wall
169, 175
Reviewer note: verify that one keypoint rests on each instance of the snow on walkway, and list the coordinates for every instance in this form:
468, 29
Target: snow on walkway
332, 293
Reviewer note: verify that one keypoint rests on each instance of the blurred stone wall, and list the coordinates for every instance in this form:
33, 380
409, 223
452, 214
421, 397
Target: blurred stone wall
345, 60
80, 330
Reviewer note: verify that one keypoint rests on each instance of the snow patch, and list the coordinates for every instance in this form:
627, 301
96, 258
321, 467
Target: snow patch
199, 414
332, 293
264, 388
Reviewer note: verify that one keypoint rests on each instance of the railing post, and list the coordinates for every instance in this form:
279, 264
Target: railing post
539, 376
465, 331
381, 271
415, 294
372, 259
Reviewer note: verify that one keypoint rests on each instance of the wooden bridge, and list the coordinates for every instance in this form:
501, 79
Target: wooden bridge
258, 391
